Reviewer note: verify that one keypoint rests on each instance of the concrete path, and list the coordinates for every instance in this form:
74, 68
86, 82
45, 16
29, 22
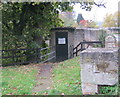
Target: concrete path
44, 78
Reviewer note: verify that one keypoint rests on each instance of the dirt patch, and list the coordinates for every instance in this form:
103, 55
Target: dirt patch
44, 78
102, 66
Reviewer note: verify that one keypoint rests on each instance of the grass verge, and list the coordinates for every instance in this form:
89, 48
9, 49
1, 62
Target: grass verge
18, 80
66, 76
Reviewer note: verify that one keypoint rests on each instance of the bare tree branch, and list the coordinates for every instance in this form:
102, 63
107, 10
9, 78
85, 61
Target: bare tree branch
100, 4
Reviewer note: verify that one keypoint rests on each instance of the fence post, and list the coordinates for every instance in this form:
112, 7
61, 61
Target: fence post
76, 51
37, 55
1, 59
13, 53
81, 46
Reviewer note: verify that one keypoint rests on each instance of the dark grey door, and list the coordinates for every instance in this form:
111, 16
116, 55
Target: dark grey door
61, 46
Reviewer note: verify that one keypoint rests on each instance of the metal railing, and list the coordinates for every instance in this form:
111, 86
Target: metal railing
80, 46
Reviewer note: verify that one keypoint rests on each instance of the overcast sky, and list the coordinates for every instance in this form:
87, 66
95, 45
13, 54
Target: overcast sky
97, 13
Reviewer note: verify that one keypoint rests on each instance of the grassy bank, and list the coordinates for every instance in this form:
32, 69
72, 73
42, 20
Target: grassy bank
18, 80
66, 76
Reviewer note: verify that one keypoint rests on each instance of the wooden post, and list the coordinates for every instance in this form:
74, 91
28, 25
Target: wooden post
37, 56
13, 54
1, 60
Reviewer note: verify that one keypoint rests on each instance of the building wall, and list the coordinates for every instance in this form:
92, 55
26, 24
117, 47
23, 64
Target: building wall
70, 44
78, 36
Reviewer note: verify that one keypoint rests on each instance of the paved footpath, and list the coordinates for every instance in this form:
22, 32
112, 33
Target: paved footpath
44, 78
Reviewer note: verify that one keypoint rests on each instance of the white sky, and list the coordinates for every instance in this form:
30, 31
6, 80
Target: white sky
97, 13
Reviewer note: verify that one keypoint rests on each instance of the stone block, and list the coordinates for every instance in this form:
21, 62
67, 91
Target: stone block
99, 66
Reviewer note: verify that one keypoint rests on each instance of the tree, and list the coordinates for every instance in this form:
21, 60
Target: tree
87, 5
111, 20
68, 18
28, 24
91, 24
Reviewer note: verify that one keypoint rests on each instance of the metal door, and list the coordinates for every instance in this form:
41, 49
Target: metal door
61, 46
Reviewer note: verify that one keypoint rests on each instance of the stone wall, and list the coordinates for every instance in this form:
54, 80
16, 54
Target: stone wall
78, 36
87, 34
99, 66
52, 39
92, 34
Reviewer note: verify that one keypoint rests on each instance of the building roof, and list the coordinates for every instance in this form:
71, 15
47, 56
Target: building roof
79, 18
63, 28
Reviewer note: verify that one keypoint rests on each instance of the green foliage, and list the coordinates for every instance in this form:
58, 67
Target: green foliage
66, 76
68, 18
91, 24
109, 90
18, 80
111, 20
27, 24
102, 37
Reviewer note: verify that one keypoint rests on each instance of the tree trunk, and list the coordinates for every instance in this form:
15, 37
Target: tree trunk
35, 58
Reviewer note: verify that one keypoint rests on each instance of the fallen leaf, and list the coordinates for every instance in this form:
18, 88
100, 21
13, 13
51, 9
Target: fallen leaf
48, 87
